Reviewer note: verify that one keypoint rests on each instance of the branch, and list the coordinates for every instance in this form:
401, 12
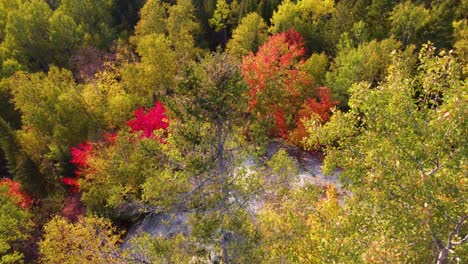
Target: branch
445, 250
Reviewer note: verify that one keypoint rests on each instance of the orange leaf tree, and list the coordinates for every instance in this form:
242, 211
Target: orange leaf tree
279, 88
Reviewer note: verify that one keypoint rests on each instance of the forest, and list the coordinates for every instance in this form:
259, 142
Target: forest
233, 131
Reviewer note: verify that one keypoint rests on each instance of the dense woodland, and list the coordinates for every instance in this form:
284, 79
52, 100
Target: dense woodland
113, 111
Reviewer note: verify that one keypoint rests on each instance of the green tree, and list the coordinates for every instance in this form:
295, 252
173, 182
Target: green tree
19, 165
15, 223
182, 28
219, 21
402, 151
53, 120
153, 17
220, 16
308, 17
367, 62
407, 20
90, 240
65, 37
248, 36
93, 18
439, 28
6, 7
26, 35
210, 105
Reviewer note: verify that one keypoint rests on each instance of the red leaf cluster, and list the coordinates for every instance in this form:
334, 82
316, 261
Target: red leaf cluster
80, 155
149, 120
274, 68
312, 107
14, 190
146, 121
322, 108
73, 186
280, 91
280, 124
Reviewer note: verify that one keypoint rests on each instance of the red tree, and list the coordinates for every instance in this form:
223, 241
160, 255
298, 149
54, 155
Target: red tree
14, 190
277, 84
146, 121
149, 120
281, 93
311, 107
80, 155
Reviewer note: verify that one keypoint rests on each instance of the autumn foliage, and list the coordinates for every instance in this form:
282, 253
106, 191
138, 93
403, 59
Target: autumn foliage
281, 93
80, 155
149, 120
146, 122
273, 71
14, 190
313, 108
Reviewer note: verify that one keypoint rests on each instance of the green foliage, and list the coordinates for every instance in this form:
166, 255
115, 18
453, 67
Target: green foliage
152, 19
26, 35
15, 223
56, 111
461, 43
181, 28
165, 41
65, 36
403, 152
248, 36
399, 136
407, 20
156, 72
19, 165
316, 66
366, 63
90, 240
308, 17
93, 19
305, 225
161, 250
220, 15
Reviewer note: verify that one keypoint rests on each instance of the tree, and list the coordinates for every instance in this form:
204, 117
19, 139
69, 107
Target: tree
368, 62
248, 36
19, 165
210, 107
65, 37
308, 17
55, 119
277, 84
6, 7
461, 43
407, 20
220, 16
153, 17
57, 110
402, 150
306, 225
93, 18
15, 224
164, 39
89, 240
439, 29
26, 35
182, 27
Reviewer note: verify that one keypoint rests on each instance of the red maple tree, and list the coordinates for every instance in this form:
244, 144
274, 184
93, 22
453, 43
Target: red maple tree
14, 190
277, 84
310, 108
80, 155
148, 120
